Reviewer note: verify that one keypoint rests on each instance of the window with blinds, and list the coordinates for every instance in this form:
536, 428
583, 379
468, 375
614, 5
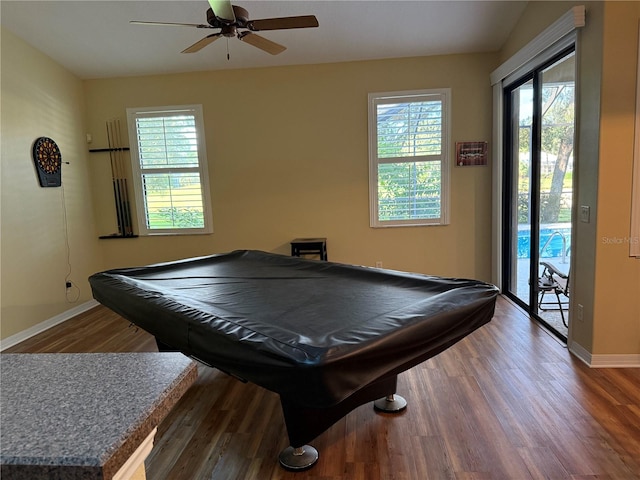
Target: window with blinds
408, 158
169, 166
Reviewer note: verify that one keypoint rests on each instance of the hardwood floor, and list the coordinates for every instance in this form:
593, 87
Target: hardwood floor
507, 402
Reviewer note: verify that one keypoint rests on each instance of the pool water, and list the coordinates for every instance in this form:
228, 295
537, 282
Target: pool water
555, 240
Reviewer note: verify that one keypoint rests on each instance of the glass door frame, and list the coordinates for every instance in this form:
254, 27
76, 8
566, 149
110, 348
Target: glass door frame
510, 190
510, 187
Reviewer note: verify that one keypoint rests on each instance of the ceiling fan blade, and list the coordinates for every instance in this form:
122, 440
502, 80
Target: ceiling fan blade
262, 43
200, 44
197, 25
223, 10
304, 21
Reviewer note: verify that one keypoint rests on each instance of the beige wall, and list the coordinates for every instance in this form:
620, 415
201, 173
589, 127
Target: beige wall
39, 98
617, 284
288, 158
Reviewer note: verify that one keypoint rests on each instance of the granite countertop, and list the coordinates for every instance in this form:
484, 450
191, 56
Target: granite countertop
82, 415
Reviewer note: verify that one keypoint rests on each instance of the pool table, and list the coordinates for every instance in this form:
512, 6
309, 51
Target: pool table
327, 337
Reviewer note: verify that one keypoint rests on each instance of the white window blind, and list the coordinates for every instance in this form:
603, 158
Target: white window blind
408, 158
169, 164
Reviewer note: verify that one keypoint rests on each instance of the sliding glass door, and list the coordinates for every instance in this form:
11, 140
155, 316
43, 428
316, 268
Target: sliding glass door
538, 193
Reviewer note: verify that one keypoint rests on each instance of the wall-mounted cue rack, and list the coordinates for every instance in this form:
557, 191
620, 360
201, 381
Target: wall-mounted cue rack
98, 150
119, 179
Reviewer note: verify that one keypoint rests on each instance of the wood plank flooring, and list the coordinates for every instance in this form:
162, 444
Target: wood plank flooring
507, 402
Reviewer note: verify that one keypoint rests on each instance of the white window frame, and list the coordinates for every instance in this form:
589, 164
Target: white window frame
201, 169
375, 99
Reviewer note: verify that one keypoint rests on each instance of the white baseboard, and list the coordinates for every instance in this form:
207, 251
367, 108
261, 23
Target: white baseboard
579, 352
631, 360
47, 324
615, 361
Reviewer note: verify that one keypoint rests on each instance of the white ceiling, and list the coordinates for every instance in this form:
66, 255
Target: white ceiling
94, 39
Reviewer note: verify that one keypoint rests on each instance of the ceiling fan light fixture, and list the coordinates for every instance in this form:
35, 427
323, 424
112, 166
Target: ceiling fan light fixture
229, 31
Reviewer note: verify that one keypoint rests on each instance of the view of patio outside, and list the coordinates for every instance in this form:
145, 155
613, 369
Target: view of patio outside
555, 240
551, 178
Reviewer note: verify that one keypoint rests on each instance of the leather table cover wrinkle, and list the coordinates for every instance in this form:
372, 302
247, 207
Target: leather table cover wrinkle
311, 331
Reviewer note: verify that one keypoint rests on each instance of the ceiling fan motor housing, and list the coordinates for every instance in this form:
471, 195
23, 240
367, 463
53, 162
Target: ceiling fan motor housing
242, 17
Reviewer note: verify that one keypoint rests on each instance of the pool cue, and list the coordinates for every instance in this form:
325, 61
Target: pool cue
119, 183
124, 191
114, 179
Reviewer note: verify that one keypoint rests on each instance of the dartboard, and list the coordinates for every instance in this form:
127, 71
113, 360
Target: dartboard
48, 160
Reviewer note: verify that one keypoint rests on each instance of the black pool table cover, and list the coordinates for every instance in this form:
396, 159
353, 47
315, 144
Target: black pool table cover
308, 330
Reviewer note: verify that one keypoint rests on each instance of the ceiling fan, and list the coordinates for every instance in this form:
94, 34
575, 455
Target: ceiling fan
230, 19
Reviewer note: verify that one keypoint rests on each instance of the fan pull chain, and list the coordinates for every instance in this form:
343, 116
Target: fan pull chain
228, 57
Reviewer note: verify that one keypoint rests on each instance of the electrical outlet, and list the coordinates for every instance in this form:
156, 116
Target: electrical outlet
379, 264
580, 312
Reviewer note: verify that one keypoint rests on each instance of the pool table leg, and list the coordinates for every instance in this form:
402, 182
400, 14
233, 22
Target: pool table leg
299, 458
391, 404
306, 423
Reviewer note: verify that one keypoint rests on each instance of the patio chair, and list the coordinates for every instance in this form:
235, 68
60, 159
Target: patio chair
554, 281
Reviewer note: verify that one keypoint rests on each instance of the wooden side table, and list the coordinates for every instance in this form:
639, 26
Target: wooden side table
309, 246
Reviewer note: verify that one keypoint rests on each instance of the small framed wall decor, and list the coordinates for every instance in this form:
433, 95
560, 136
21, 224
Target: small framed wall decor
471, 153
